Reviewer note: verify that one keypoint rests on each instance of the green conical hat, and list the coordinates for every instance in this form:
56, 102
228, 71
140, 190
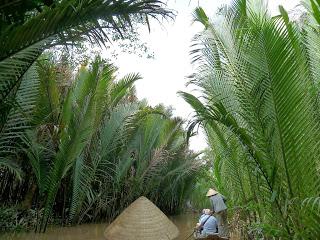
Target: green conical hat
142, 220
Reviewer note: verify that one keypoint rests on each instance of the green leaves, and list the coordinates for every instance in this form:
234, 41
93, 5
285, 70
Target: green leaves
110, 130
258, 87
81, 115
315, 5
19, 115
65, 22
108, 147
68, 20
90, 137
12, 70
11, 166
199, 15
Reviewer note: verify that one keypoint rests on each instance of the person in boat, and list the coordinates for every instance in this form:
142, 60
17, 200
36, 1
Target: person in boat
219, 208
207, 224
203, 214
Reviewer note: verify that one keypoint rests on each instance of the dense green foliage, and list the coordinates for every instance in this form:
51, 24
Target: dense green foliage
89, 148
40, 26
259, 78
76, 145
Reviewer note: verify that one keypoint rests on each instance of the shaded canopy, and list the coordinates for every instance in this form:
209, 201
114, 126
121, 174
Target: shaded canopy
141, 220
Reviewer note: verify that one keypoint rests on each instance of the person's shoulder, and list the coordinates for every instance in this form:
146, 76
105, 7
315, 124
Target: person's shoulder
221, 196
213, 217
213, 196
202, 218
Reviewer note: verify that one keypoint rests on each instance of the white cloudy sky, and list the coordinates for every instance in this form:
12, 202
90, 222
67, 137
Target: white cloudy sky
165, 75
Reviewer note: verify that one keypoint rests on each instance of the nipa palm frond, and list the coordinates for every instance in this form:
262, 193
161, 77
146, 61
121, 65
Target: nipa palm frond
19, 117
65, 21
256, 81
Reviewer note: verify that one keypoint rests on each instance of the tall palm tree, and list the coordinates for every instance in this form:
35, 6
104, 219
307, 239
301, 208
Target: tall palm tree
261, 115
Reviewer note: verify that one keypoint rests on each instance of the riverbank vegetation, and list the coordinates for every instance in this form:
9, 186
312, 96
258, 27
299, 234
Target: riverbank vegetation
82, 148
259, 84
76, 145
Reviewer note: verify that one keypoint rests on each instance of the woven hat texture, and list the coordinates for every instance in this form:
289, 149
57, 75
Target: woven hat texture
211, 192
142, 220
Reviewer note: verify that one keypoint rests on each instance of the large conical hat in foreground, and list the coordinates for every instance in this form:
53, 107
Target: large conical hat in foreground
142, 220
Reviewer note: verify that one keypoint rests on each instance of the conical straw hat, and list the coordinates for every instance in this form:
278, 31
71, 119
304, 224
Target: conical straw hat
211, 192
142, 220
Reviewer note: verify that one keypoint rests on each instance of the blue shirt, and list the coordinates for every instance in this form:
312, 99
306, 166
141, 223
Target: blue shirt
202, 216
210, 226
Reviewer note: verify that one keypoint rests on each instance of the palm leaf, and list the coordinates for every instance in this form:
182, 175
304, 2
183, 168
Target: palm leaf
122, 87
12, 71
255, 78
21, 45
19, 117
12, 167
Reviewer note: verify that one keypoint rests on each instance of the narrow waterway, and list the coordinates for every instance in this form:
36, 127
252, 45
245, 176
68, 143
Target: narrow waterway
184, 222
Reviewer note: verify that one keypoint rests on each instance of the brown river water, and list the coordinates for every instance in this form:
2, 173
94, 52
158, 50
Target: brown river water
185, 223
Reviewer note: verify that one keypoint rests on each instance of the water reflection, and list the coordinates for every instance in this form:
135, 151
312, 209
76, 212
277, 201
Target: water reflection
184, 222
